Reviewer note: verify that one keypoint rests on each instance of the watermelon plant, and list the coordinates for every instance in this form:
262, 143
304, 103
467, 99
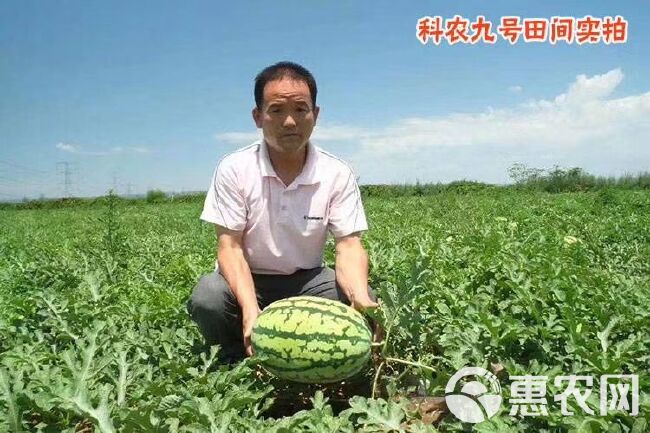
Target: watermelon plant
94, 334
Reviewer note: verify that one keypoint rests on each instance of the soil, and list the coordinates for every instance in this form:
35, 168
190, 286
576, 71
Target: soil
291, 397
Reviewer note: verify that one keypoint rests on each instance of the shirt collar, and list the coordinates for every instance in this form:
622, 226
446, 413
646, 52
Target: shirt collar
308, 174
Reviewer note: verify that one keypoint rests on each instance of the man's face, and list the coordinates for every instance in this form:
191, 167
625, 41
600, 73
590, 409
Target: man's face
287, 116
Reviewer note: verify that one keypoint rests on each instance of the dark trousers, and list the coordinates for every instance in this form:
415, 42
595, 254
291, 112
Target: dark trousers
216, 311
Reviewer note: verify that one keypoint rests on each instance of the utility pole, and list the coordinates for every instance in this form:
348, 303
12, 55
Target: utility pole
114, 183
64, 169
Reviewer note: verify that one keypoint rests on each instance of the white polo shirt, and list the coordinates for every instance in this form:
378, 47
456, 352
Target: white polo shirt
284, 228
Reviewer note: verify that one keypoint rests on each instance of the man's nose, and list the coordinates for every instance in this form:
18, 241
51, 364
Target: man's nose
289, 122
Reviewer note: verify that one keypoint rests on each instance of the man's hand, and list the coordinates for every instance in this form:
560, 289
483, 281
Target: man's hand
248, 321
378, 334
363, 303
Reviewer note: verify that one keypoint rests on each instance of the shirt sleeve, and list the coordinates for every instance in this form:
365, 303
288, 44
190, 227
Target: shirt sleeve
224, 203
346, 214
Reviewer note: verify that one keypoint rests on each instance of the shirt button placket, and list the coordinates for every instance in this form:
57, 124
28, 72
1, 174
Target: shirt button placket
284, 210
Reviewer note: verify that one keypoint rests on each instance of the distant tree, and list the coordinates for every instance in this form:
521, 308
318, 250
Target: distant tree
522, 174
156, 196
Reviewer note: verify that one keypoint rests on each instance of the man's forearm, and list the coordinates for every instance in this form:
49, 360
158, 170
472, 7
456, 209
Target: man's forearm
235, 270
352, 272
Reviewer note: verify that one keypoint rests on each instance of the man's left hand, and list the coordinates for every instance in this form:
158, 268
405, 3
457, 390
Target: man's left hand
364, 303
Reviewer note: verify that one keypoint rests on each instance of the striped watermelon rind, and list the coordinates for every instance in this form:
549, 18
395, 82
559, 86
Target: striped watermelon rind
311, 340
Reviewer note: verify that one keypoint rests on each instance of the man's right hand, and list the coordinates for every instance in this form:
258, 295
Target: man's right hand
248, 321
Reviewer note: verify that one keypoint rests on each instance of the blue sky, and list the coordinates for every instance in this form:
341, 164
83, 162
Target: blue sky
151, 94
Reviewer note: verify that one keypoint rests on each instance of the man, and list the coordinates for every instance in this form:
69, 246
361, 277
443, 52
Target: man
273, 204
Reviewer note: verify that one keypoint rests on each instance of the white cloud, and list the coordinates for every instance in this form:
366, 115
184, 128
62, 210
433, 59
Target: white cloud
591, 89
579, 116
583, 126
73, 148
322, 132
332, 132
67, 147
242, 138
515, 89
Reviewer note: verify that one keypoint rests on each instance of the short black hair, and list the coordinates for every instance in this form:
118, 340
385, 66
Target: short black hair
284, 70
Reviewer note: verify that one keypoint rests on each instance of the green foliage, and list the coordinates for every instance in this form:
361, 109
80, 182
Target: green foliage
156, 196
553, 180
94, 329
424, 189
575, 179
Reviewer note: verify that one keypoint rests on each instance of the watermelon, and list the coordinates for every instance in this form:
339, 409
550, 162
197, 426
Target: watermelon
311, 340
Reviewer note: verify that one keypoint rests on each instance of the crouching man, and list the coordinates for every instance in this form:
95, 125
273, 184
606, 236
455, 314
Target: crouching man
273, 204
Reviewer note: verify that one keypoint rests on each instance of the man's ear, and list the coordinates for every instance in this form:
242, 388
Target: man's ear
316, 111
257, 117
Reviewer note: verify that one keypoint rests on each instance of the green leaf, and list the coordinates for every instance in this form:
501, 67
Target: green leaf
603, 336
640, 426
13, 414
378, 413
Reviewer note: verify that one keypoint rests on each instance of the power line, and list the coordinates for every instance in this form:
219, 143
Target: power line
42, 180
21, 167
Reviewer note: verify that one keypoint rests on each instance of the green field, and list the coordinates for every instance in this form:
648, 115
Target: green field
94, 330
